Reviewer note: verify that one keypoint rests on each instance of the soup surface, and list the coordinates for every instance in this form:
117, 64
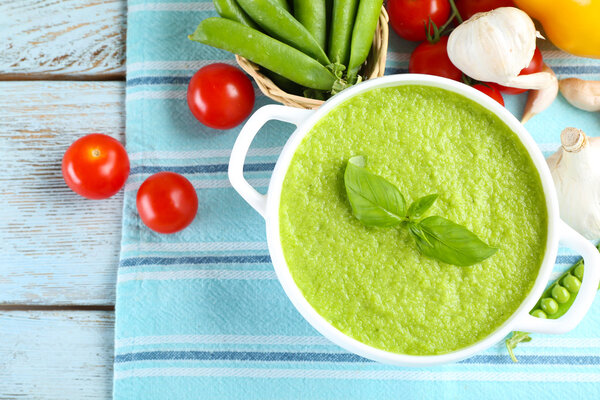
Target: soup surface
372, 283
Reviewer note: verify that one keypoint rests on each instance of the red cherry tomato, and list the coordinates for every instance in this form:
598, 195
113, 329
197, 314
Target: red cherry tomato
167, 202
467, 8
220, 96
95, 166
409, 18
490, 91
535, 65
433, 59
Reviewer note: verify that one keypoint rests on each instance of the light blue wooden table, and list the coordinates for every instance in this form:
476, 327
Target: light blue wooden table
61, 77
62, 71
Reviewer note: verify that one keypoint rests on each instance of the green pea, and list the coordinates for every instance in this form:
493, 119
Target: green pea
549, 305
560, 294
265, 51
579, 272
571, 283
539, 314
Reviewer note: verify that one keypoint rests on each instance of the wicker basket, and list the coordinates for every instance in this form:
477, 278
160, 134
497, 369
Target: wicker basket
373, 68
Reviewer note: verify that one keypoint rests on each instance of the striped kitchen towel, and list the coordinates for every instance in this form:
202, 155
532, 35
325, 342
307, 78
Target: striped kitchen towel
200, 314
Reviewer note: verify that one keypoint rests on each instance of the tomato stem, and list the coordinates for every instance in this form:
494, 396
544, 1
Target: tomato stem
435, 37
455, 12
439, 32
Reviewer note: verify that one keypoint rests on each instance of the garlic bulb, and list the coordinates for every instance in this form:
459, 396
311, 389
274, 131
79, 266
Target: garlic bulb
575, 169
495, 46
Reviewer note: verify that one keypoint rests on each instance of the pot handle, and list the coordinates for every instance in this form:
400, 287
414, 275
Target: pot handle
589, 286
240, 149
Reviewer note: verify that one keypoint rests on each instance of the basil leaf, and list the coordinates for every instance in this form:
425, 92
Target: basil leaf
416, 230
420, 206
374, 200
450, 243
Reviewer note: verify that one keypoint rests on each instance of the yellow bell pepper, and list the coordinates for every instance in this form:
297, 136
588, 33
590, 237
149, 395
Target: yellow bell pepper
572, 25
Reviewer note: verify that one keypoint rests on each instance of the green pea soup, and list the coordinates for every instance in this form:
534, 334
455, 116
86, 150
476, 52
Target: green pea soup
372, 283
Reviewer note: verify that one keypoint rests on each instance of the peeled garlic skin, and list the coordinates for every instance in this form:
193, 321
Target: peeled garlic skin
577, 180
495, 46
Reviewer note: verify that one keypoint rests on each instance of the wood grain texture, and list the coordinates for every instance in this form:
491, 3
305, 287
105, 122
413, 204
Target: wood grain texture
56, 247
56, 355
73, 39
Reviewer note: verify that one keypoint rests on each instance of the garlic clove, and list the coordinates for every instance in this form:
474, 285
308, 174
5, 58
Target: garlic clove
539, 100
575, 169
582, 94
495, 46
539, 80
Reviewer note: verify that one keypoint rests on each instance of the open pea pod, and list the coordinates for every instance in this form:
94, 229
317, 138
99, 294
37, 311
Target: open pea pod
556, 300
558, 297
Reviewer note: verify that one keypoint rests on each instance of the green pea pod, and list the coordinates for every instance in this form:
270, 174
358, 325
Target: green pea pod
264, 51
284, 4
554, 303
313, 15
362, 35
279, 23
231, 10
561, 295
342, 21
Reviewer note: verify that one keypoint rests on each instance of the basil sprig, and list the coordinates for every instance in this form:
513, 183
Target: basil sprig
377, 202
374, 200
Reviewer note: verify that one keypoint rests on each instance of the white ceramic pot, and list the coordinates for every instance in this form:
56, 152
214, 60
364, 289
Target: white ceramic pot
268, 207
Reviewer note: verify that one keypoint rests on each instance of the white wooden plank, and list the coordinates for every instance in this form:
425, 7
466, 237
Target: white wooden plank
56, 355
75, 38
55, 246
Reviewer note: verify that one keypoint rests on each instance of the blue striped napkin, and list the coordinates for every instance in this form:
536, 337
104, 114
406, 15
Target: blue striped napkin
200, 313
